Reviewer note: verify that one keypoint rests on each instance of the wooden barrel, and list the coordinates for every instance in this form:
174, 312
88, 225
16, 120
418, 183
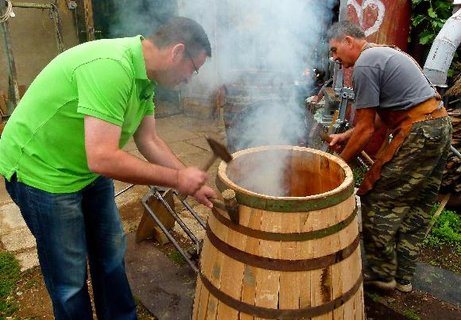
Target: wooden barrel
293, 256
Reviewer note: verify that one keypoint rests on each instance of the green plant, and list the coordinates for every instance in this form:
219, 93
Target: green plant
177, 257
358, 173
446, 230
448, 227
9, 276
430, 16
411, 314
375, 297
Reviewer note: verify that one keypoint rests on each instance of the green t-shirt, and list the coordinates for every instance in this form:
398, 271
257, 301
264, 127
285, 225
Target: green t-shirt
43, 141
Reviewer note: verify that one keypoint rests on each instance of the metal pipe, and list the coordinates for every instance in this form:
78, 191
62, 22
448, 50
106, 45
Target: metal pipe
167, 233
178, 219
443, 50
456, 152
123, 190
191, 210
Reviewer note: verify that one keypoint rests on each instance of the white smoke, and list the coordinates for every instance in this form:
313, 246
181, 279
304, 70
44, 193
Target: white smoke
252, 35
132, 17
260, 50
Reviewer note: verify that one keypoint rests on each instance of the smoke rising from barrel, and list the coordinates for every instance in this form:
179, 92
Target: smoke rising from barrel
260, 52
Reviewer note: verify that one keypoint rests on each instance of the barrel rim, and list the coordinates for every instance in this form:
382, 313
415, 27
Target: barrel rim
305, 203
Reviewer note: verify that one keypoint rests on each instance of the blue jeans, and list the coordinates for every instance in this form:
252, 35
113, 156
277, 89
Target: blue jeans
69, 228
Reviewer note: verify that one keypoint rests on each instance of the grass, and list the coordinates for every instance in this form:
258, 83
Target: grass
411, 314
446, 231
374, 296
358, 173
9, 276
176, 257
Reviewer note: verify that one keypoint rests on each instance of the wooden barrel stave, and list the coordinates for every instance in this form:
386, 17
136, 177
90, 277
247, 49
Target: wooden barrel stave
317, 292
270, 222
266, 291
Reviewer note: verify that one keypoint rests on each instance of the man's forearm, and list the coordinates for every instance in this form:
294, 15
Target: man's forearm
357, 142
158, 152
121, 165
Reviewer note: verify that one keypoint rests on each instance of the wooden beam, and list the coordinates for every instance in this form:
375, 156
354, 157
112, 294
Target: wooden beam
89, 23
85, 23
13, 90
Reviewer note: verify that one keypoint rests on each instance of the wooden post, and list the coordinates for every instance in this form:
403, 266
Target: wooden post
85, 20
89, 23
13, 90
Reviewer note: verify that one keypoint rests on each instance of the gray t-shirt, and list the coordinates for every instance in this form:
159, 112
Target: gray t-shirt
387, 78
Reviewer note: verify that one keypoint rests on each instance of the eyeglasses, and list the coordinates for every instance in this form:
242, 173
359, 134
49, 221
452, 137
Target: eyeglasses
193, 64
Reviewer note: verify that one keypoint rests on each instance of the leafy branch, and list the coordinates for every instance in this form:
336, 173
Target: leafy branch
430, 16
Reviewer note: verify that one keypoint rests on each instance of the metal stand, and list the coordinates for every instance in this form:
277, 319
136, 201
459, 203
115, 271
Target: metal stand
191, 256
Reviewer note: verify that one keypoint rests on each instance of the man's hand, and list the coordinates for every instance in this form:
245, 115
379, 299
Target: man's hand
361, 133
190, 180
337, 141
313, 99
204, 194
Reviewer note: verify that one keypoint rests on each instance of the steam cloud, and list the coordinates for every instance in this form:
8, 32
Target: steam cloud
260, 50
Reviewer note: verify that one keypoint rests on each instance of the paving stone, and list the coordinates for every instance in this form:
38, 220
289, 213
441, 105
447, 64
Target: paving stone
10, 218
175, 134
183, 149
164, 288
4, 196
440, 283
18, 239
28, 259
200, 143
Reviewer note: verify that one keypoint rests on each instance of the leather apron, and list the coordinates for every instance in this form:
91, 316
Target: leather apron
400, 124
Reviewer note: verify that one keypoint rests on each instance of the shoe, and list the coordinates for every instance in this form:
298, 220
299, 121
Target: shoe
404, 286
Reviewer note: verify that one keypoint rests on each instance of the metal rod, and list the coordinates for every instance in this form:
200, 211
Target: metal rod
456, 152
362, 162
167, 233
177, 217
191, 210
123, 190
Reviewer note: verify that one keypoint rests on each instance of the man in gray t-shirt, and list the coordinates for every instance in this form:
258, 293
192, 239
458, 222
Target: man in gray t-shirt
386, 78
401, 187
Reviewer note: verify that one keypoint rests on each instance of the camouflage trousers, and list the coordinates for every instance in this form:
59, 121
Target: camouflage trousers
396, 212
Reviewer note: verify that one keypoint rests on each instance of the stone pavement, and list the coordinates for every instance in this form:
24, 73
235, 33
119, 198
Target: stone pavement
186, 137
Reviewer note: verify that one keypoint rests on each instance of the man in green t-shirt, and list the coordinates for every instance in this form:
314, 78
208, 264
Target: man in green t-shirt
62, 147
